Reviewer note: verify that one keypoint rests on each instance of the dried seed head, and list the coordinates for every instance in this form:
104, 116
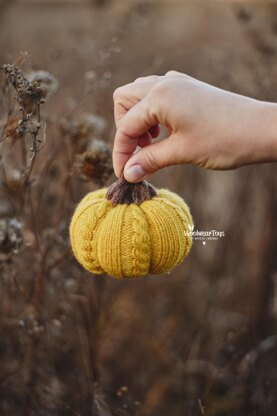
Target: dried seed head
10, 237
29, 95
45, 80
95, 164
83, 128
15, 77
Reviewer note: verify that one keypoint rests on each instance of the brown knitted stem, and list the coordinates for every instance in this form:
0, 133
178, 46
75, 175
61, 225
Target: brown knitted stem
123, 192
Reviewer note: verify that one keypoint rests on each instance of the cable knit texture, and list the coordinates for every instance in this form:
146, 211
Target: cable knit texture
131, 240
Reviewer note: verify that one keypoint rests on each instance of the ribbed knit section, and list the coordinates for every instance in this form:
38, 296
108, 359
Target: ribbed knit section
109, 241
166, 233
124, 243
183, 212
178, 201
136, 243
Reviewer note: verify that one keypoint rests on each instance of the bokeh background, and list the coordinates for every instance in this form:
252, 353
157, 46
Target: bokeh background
199, 341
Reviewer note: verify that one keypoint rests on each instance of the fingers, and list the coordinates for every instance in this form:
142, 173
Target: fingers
136, 117
150, 159
129, 95
133, 131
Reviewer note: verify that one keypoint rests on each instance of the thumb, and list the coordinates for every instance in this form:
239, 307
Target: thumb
150, 159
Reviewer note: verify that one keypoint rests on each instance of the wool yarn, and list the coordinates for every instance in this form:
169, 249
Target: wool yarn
112, 234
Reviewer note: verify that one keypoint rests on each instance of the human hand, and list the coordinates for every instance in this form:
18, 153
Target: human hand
207, 126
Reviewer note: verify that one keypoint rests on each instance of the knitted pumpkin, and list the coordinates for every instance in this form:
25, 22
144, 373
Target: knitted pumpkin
130, 230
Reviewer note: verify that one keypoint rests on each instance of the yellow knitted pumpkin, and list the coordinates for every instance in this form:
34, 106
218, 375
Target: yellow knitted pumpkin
130, 230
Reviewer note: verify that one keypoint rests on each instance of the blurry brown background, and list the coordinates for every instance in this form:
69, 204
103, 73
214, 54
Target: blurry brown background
199, 341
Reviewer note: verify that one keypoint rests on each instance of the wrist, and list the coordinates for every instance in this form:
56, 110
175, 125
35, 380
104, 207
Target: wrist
263, 137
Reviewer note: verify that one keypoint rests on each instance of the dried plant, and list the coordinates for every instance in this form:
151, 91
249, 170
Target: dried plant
29, 95
46, 81
10, 238
80, 130
95, 164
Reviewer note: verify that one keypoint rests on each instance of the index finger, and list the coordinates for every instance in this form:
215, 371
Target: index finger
132, 127
127, 96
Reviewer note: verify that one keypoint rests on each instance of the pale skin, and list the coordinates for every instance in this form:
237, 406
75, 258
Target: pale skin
207, 126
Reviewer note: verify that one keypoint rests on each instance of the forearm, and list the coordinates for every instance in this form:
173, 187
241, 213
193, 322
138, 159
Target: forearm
246, 134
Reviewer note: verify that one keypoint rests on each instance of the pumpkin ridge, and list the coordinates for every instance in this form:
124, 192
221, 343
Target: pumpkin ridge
141, 261
76, 216
93, 239
165, 260
109, 247
185, 223
120, 233
178, 249
87, 250
164, 194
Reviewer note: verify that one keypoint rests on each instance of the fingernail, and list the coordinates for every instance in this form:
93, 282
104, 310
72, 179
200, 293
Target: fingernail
134, 173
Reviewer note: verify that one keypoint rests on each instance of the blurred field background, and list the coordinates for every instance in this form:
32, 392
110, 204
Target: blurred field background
199, 341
